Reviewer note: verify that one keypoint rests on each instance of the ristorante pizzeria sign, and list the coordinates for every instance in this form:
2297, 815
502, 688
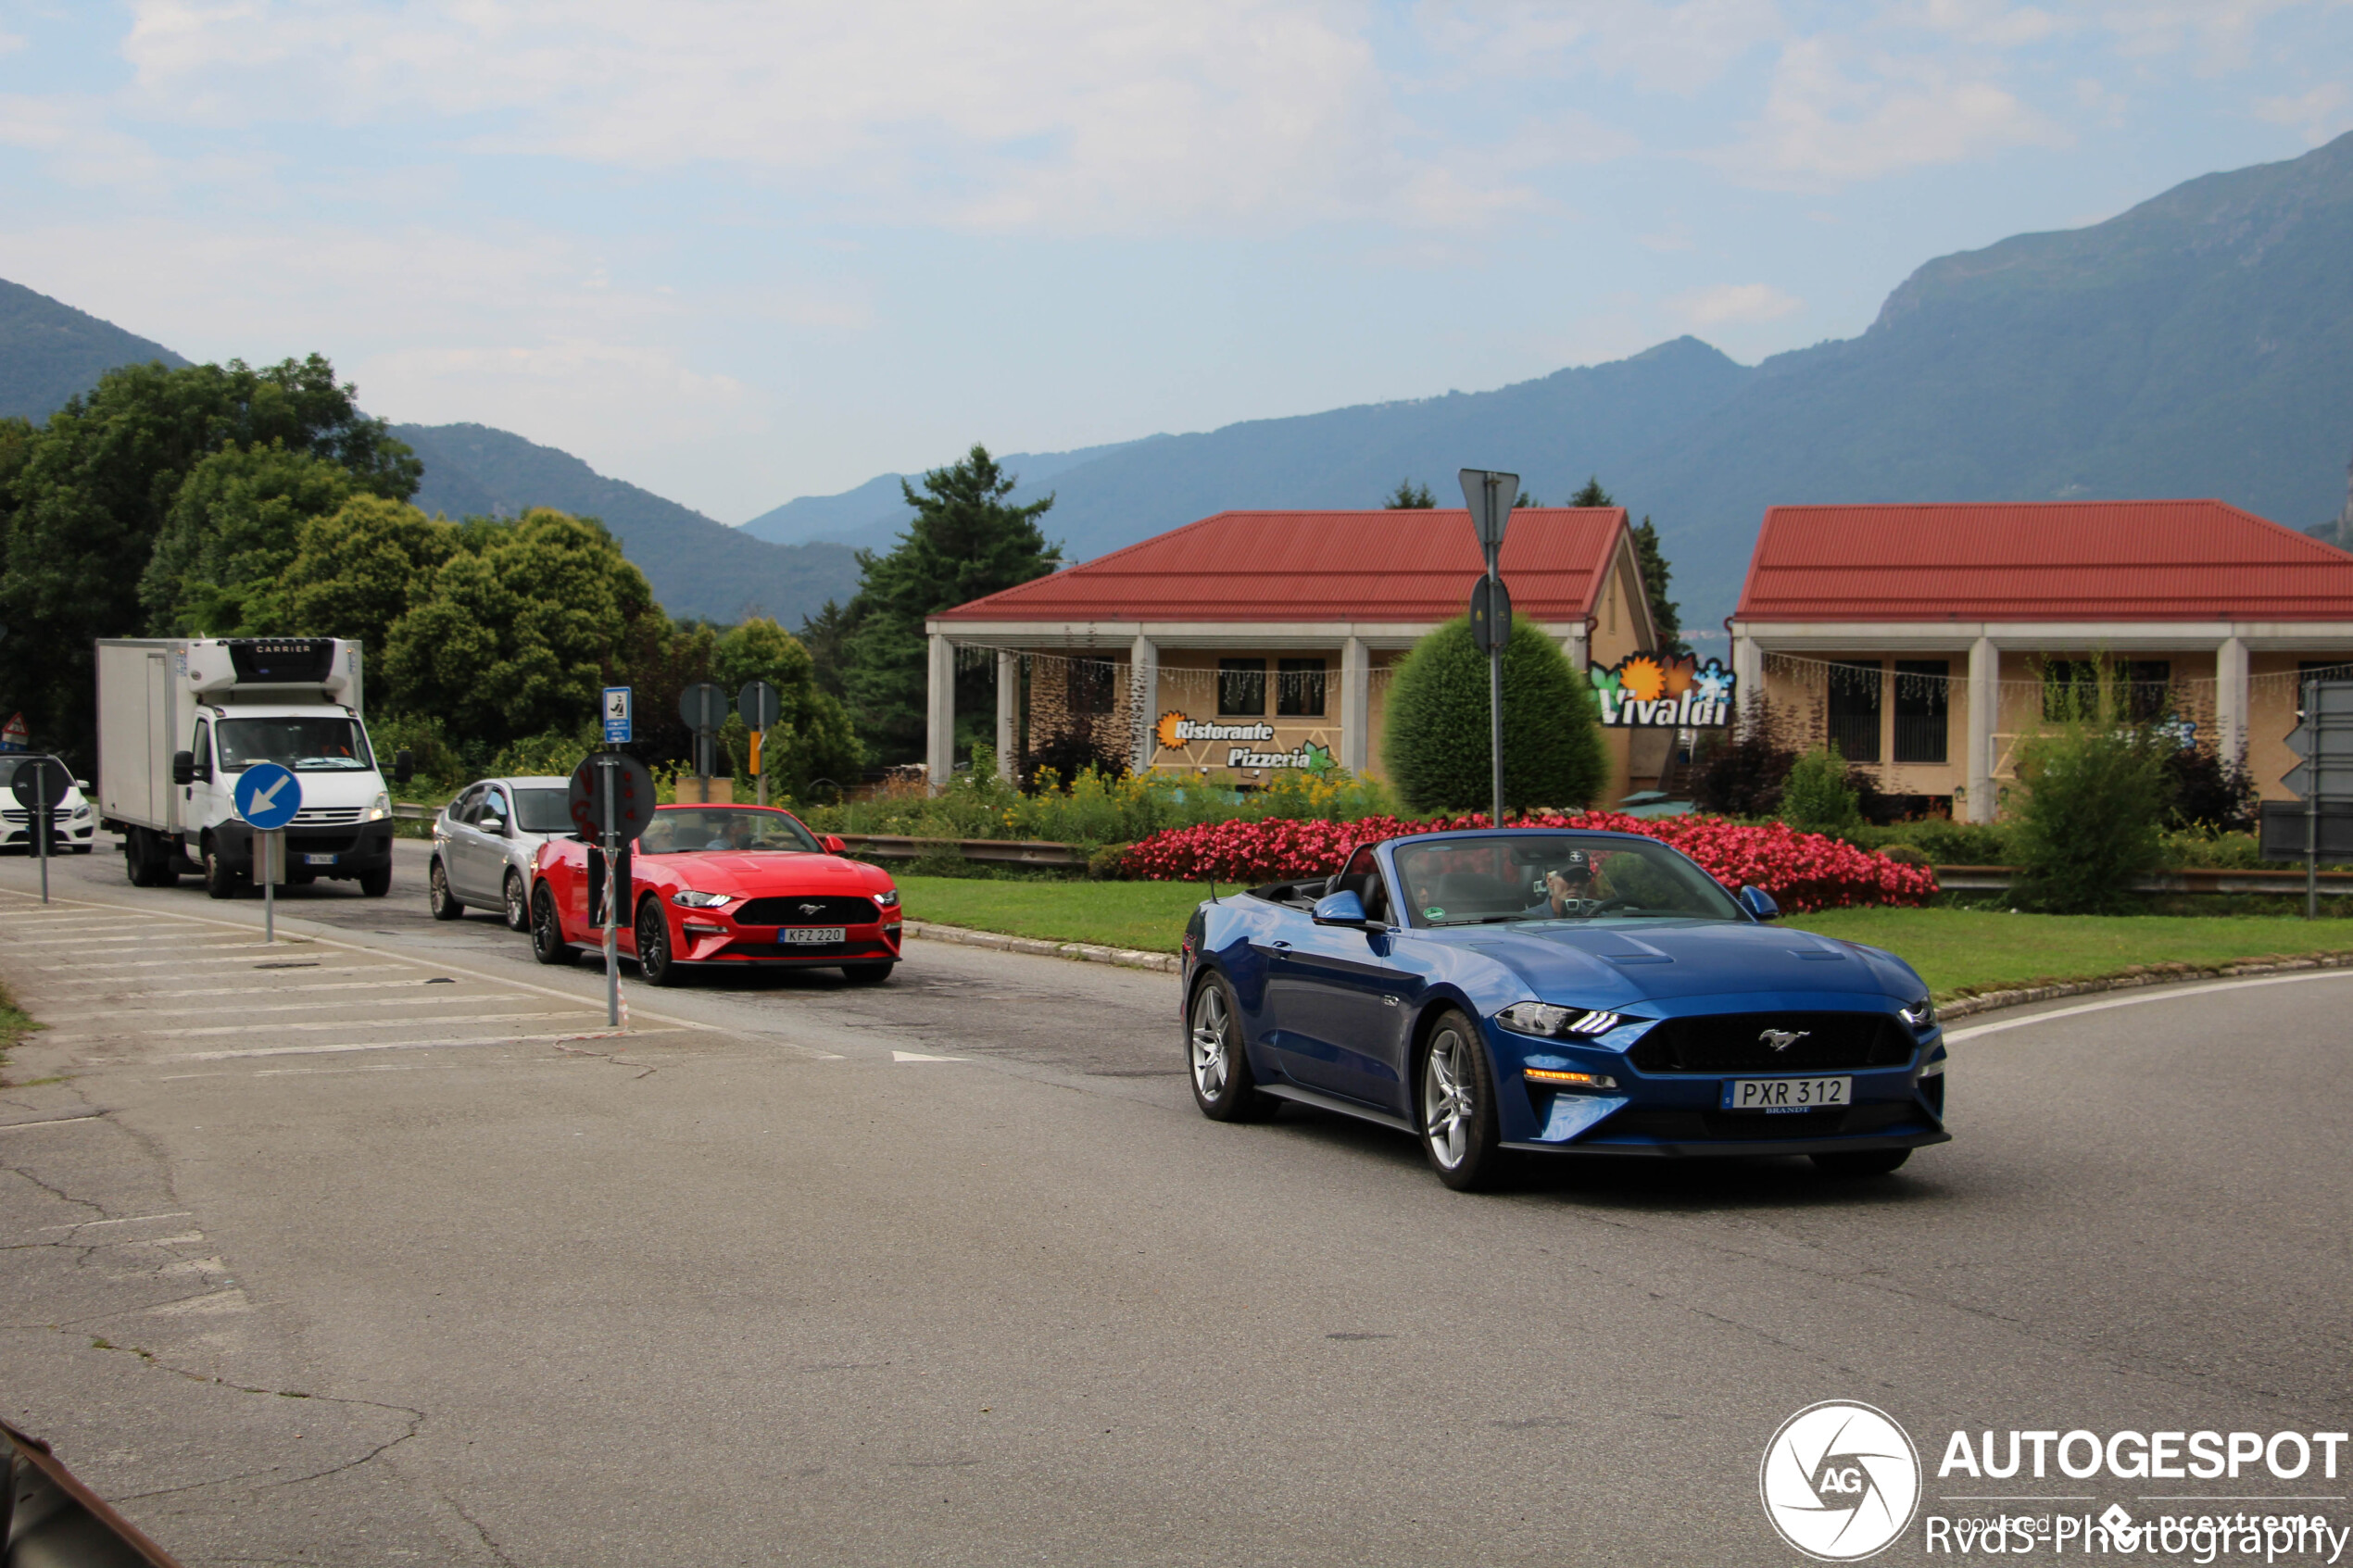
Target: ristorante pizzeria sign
1651, 691
1175, 732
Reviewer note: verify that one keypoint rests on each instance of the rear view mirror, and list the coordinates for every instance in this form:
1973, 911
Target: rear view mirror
404, 766
1760, 904
183, 767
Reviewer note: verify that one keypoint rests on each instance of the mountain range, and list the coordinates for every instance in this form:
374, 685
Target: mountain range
2199, 344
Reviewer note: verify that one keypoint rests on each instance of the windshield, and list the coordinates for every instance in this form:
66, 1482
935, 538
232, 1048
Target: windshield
307, 742
692, 830
1554, 876
543, 810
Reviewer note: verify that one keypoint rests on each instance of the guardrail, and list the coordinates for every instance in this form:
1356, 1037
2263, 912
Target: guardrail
995, 851
1997, 879
403, 811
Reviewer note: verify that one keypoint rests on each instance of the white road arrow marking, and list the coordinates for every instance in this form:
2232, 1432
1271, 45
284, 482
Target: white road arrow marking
918, 1056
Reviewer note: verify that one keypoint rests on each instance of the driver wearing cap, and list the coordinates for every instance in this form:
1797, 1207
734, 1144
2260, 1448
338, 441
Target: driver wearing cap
1570, 882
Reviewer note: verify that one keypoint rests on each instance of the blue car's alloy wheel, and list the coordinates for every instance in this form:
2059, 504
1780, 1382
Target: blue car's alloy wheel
1458, 1106
1223, 1086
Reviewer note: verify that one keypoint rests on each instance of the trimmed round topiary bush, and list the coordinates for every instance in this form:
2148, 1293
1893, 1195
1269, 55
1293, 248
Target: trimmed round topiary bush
1436, 747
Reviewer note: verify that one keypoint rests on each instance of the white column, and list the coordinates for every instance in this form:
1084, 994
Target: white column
2230, 697
1984, 710
1574, 649
939, 714
1748, 679
1143, 681
1356, 705
1008, 709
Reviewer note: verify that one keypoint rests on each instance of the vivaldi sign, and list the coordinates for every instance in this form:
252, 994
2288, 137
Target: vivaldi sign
1175, 732
1653, 691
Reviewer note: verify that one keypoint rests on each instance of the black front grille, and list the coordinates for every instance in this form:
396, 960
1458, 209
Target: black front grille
865, 950
1736, 1041
816, 909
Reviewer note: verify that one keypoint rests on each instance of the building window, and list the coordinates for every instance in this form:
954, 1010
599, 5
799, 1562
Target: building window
1920, 690
1242, 687
1299, 688
1094, 687
2142, 687
1854, 709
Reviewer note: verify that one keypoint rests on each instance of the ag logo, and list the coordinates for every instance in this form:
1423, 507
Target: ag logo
1840, 1481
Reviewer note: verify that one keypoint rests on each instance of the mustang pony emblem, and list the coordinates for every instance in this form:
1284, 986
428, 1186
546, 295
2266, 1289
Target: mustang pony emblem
810, 909
1781, 1040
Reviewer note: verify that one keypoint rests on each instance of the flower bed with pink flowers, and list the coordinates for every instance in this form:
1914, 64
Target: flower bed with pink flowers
1801, 870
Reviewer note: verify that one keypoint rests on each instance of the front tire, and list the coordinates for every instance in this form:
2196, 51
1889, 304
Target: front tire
1459, 1131
1861, 1162
517, 906
1223, 1084
438, 897
654, 959
867, 973
219, 882
377, 883
547, 944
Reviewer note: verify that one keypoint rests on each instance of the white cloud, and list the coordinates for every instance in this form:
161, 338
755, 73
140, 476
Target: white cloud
12, 42
1991, 23
2317, 116
1681, 48
1822, 125
1732, 304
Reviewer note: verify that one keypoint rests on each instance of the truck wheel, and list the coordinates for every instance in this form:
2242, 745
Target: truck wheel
135, 856
375, 883
219, 882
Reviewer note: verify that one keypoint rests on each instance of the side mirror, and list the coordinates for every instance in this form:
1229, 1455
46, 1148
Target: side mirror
492, 824
833, 845
1760, 904
183, 767
82, 785
1339, 908
404, 766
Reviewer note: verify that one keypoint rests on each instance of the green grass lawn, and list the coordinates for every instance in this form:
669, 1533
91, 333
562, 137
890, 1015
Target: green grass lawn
1957, 952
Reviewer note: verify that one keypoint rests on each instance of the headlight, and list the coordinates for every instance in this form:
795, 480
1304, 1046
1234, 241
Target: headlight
687, 897
79, 812
380, 809
887, 899
1542, 1018
1919, 1015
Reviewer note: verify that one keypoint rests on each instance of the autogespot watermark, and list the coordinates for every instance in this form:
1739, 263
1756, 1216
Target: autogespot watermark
1841, 1481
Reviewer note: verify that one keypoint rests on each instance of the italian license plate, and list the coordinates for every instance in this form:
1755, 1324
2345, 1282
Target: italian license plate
1787, 1094
318, 860
813, 935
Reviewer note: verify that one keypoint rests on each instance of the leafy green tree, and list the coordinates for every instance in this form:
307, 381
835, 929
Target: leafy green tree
965, 543
813, 738
231, 534
826, 635
517, 630
1410, 497
1816, 796
357, 571
1592, 495
2097, 795
85, 506
1435, 743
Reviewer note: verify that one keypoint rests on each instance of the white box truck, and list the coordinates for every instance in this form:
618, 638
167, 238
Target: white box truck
180, 718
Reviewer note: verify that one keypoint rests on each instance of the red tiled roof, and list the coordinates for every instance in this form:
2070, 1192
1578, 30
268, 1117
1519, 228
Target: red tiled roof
2040, 560
1404, 566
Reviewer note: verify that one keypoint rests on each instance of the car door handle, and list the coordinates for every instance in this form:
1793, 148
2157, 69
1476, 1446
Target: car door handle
1278, 948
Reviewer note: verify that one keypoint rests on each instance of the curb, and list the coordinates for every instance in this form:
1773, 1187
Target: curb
2156, 974
1082, 952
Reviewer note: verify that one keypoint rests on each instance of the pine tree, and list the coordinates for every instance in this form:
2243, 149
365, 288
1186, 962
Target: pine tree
1410, 496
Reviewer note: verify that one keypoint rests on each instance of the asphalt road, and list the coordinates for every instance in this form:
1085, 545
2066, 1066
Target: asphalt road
386, 1257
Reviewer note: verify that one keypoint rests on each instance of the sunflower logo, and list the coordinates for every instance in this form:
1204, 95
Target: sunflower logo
1165, 731
1642, 679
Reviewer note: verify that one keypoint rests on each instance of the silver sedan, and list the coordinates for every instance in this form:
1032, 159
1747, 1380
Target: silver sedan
483, 842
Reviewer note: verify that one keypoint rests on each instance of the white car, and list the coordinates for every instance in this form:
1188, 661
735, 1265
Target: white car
485, 841
73, 818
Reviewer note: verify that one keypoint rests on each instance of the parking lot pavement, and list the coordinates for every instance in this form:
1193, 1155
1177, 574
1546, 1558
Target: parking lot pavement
951, 1270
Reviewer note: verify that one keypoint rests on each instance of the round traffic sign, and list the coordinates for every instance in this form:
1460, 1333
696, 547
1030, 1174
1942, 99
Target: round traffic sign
759, 705
46, 773
268, 795
633, 800
702, 705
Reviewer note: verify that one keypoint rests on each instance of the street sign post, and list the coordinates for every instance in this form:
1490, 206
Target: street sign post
2324, 740
40, 783
617, 717
1489, 495
611, 797
704, 708
761, 706
268, 795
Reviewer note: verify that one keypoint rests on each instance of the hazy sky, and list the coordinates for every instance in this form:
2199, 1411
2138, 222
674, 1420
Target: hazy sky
741, 252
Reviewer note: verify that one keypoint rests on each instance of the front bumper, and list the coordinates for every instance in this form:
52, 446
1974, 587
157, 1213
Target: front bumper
706, 940
65, 831
355, 847
1680, 1115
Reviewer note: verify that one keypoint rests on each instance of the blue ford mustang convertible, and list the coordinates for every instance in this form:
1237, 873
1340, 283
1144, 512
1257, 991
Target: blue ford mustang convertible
1542, 990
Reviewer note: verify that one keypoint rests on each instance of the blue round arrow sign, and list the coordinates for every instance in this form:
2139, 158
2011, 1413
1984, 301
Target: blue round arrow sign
268, 795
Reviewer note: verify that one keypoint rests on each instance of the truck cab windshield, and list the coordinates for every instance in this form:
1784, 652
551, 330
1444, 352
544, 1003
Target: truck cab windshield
310, 743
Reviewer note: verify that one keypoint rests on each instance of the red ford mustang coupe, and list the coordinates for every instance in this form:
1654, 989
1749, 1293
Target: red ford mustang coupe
724, 885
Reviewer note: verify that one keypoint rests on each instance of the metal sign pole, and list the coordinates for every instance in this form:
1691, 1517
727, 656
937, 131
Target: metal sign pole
611, 791
1495, 690
2319, 721
268, 844
41, 827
